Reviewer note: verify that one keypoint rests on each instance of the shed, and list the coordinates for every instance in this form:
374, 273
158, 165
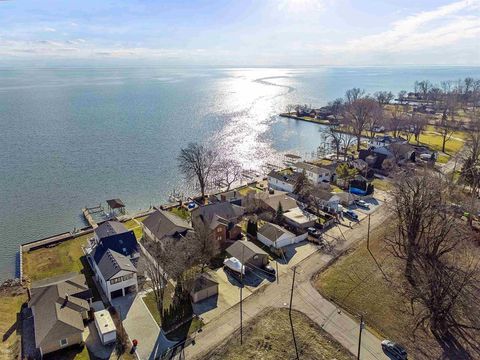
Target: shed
105, 327
203, 287
248, 253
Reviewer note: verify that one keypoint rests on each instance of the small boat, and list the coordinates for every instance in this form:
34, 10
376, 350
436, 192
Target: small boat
235, 265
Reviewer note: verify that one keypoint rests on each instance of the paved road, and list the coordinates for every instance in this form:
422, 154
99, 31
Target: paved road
140, 325
340, 325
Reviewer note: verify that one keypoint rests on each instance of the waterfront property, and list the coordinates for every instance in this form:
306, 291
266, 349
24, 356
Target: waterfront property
113, 254
162, 224
283, 180
59, 307
315, 173
221, 219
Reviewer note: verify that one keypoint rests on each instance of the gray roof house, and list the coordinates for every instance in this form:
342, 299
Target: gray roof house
113, 256
161, 224
248, 253
59, 306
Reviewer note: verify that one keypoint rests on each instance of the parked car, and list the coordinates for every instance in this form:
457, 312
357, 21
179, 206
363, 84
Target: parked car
394, 349
314, 232
362, 204
269, 269
350, 214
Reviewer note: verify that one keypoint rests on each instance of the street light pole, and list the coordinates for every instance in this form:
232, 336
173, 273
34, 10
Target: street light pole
362, 325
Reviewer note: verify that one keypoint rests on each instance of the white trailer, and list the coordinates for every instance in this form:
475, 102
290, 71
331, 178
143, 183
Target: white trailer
105, 327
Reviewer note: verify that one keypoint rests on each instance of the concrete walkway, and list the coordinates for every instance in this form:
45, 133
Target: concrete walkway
340, 325
139, 324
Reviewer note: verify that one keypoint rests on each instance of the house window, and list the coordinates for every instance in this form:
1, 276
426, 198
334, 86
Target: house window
120, 279
219, 230
63, 342
219, 238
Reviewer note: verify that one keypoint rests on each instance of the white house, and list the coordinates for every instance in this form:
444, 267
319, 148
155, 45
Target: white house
113, 255
385, 140
277, 236
316, 174
282, 180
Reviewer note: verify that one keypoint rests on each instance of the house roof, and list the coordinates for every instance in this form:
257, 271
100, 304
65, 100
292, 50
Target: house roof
72, 283
115, 203
311, 167
57, 309
203, 281
112, 262
246, 250
164, 223
273, 232
109, 228
123, 243
272, 200
221, 212
288, 178
299, 216
322, 194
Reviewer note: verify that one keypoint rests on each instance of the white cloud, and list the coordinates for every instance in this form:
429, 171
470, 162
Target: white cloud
49, 29
445, 25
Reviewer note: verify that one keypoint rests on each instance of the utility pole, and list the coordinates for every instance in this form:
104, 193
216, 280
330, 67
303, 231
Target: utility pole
371, 254
242, 269
362, 325
290, 313
276, 266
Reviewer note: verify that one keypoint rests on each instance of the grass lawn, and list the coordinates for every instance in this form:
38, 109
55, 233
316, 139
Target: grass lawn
443, 158
268, 337
133, 225
383, 185
62, 258
356, 284
149, 301
10, 305
181, 212
434, 141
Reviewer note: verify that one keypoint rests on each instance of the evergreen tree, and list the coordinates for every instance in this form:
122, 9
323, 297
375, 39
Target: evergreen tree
279, 213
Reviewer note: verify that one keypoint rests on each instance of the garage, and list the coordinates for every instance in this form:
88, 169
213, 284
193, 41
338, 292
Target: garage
204, 287
130, 289
116, 293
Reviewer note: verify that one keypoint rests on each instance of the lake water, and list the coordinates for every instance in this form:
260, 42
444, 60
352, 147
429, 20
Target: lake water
72, 137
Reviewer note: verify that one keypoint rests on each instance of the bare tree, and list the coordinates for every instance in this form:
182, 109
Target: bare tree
383, 97
418, 124
203, 245
375, 120
357, 114
423, 225
198, 162
446, 130
353, 95
336, 108
228, 171
341, 141
396, 120
402, 96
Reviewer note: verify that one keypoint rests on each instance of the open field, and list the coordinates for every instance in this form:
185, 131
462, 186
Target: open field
10, 304
433, 139
357, 285
62, 258
269, 337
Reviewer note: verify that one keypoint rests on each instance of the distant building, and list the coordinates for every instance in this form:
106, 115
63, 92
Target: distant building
114, 255
60, 307
386, 140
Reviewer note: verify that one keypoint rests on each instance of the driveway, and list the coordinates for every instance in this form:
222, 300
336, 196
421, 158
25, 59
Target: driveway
139, 324
340, 325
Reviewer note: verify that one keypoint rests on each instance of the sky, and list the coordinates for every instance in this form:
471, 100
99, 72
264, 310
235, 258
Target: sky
243, 32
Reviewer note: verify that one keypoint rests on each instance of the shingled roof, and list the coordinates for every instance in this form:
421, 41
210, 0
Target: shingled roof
164, 223
273, 232
57, 309
244, 250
